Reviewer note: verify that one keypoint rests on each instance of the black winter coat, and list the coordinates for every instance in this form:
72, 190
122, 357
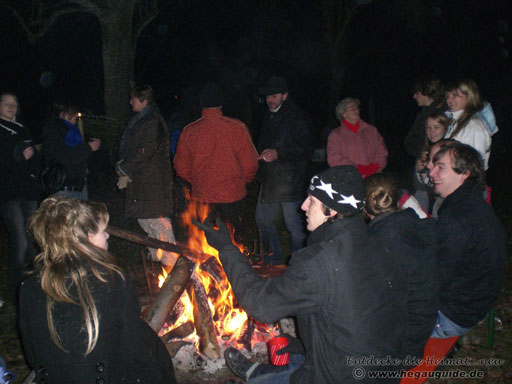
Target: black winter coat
472, 255
347, 295
15, 171
127, 351
290, 132
413, 244
147, 162
74, 159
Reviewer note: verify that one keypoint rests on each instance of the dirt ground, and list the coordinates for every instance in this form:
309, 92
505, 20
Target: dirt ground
474, 346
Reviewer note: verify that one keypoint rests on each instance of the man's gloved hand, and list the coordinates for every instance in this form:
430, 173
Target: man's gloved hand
294, 346
217, 238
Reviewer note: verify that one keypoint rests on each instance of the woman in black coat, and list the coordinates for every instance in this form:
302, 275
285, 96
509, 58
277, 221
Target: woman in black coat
19, 189
79, 315
412, 242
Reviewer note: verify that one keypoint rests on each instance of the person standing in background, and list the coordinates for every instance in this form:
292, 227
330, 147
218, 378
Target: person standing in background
285, 146
19, 189
145, 170
355, 142
428, 93
63, 145
216, 156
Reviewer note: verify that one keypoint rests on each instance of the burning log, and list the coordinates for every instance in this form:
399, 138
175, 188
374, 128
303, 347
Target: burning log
154, 243
246, 337
175, 314
213, 267
169, 294
203, 321
180, 332
174, 347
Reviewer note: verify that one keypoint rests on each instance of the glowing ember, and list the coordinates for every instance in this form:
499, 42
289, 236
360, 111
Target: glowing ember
229, 320
162, 277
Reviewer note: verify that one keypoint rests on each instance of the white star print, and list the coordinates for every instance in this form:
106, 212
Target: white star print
327, 188
349, 200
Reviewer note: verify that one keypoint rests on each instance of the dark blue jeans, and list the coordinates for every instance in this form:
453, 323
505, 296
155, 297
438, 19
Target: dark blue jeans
268, 374
294, 221
15, 214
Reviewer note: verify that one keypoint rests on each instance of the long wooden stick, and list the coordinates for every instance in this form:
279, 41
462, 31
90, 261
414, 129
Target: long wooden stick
155, 243
175, 284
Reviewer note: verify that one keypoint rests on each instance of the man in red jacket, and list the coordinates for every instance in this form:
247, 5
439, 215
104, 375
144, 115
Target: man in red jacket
216, 156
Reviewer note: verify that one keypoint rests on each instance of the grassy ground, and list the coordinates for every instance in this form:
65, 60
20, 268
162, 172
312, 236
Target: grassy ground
474, 346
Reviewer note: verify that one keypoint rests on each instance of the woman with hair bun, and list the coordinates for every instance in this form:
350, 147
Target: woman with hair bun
79, 314
412, 241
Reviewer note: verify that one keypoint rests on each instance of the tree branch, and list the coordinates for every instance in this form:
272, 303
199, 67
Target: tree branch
33, 35
147, 13
92, 7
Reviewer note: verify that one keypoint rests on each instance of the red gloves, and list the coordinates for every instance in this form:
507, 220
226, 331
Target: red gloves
367, 170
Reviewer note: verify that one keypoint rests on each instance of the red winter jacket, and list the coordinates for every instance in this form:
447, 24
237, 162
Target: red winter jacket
364, 149
216, 156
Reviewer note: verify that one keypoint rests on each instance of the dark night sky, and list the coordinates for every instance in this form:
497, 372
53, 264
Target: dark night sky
240, 45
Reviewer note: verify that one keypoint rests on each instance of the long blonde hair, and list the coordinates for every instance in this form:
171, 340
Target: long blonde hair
61, 227
469, 88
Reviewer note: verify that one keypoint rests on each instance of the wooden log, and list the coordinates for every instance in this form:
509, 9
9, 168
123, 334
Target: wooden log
175, 284
246, 337
155, 243
180, 332
213, 267
175, 313
205, 329
174, 346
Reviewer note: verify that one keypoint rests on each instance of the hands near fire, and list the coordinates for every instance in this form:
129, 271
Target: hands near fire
217, 238
294, 346
268, 155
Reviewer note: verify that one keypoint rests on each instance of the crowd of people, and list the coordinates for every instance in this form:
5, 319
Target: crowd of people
371, 278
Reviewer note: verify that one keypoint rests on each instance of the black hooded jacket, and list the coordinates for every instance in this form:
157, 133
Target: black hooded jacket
347, 295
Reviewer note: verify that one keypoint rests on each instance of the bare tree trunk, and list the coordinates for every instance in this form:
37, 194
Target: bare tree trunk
118, 61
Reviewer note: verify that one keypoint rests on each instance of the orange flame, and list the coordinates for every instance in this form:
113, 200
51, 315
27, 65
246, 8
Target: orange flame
229, 320
162, 277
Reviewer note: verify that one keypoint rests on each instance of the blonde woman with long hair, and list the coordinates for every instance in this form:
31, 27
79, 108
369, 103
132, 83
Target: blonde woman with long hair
79, 314
464, 102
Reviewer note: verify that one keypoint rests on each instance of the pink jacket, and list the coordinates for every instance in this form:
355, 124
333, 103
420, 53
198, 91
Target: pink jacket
344, 147
216, 156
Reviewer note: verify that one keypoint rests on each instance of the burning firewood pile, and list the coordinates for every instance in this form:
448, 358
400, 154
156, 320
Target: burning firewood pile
192, 306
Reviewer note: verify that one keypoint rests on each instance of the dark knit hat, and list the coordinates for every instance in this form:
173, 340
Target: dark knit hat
340, 188
275, 85
211, 96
